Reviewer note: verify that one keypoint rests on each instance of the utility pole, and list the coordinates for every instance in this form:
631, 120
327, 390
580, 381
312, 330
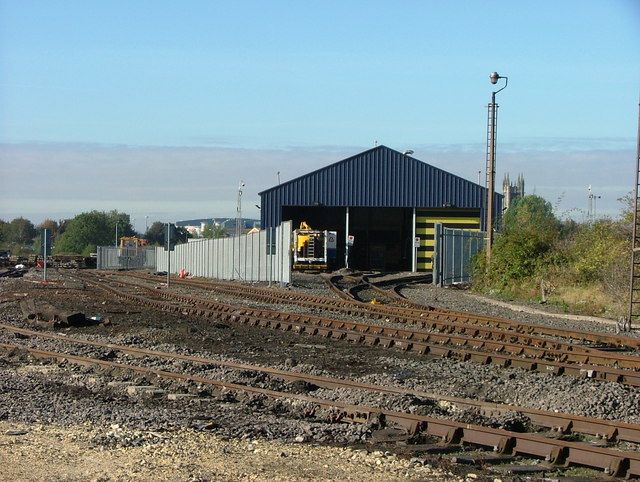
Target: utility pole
634, 285
168, 243
492, 123
45, 250
591, 214
239, 227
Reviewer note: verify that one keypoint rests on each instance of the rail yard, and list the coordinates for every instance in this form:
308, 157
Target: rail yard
375, 376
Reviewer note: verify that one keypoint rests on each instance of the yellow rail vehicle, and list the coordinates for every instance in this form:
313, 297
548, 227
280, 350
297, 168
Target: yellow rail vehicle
312, 248
132, 242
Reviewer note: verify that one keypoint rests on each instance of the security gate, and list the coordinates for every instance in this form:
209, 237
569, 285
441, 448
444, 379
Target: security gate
453, 254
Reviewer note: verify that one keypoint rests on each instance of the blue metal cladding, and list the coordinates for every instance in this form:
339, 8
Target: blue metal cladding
379, 177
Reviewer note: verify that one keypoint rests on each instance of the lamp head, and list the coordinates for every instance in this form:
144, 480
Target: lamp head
494, 77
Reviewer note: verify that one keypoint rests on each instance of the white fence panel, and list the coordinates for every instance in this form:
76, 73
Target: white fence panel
261, 256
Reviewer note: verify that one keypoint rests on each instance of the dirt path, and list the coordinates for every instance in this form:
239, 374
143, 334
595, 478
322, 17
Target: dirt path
50, 452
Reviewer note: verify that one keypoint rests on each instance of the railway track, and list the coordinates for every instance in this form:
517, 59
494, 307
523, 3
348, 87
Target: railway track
496, 329
596, 365
524, 346
364, 283
561, 423
612, 461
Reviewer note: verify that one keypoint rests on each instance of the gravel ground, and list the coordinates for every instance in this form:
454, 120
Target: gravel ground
441, 376
284, 307
396, 402
77, 453
459, 300
69, 397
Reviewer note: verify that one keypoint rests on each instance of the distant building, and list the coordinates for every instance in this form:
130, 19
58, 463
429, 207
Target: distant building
511, 192
196, 226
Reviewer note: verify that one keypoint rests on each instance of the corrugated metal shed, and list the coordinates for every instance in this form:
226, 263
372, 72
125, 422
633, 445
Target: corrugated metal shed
378, 177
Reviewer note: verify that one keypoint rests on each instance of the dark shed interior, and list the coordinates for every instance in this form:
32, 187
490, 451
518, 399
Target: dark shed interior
381, 234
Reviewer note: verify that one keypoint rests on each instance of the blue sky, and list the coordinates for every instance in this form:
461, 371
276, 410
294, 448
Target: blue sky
315, 81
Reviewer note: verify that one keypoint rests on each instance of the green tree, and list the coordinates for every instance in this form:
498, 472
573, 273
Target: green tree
530, 230
20, 231
49, 224
594, 247
214, 231
626, 214
156, 232
219, 231
88, 230
181, 234
62, 225
207, 231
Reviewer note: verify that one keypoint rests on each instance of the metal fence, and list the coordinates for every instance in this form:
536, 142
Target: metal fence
453, 254
261, 256
111, 257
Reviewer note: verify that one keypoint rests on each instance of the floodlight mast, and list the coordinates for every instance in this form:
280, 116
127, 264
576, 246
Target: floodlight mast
492, 122
239, 210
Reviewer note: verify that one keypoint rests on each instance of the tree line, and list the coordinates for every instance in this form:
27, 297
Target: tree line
83, 233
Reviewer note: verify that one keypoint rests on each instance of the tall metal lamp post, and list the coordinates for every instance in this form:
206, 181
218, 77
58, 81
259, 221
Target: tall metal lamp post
239, 223
492, 122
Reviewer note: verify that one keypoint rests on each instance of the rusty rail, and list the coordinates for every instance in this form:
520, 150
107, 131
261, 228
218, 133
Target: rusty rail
561, 422
424, 315
447, 327
612, 462
556, 351
376, 335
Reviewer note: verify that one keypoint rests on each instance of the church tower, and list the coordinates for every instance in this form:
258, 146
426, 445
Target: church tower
511, 192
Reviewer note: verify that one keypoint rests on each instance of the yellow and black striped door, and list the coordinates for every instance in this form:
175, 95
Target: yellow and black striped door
426, 220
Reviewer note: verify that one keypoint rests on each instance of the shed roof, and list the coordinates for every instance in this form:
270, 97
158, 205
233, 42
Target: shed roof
377, 177
368, 155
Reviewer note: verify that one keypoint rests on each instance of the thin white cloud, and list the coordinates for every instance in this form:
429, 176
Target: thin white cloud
60, 180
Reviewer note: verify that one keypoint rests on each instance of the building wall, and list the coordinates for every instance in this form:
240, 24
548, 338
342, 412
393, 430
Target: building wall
426, 219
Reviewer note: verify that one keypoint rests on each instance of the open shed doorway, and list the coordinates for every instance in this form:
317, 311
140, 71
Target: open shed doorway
382, 239
383, 236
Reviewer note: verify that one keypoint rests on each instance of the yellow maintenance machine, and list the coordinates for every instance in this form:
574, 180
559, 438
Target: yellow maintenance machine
132, 242
312, 248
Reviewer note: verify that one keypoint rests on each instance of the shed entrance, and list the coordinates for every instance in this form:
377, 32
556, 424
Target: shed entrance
383, 236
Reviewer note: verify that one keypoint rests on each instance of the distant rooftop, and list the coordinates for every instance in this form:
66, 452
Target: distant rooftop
226, 222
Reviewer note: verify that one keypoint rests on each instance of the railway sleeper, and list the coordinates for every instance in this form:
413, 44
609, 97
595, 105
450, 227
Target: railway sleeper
420, 348
524, 364
554, 454
610, 464
497, 442
403, 345
480, 358
324, 332
497, 335
448, 434
371, 340
631, 379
